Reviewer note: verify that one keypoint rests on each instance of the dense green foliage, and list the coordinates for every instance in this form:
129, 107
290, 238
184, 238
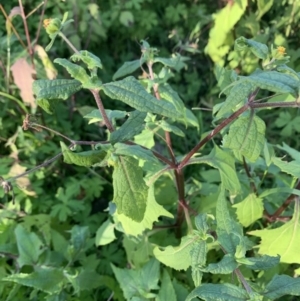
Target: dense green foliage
158, 159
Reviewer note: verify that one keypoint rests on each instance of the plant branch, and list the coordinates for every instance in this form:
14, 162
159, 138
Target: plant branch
243, 281
29, 47
68, 42
252, 185
213, 133
102, 110
285, 204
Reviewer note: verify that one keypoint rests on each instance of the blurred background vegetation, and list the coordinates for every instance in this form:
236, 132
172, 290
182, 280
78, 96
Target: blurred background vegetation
203, 30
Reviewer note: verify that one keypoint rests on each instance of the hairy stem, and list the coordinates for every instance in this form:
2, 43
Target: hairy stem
102, 110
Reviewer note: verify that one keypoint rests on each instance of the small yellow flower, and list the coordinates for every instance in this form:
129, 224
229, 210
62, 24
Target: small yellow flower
46, 22
281, 50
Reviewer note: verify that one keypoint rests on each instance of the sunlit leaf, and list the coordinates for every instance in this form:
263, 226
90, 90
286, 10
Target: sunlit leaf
130, 190
249, 210
283, 241
246, 137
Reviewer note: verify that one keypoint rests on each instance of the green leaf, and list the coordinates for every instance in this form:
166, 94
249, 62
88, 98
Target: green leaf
131, 92
225, 20
126, 18
137, 152
291, 168
229, 231
166, 92
152, 213
138, 283
79, 237
274, 81
238, 94
130, 190
46, 279
91, 60
87, 158
258, 49
201, 224
166, 291
47, 106
179, 257
263, 262
225, 164
171, 128
105, 234
263, 7
291, 151
283, 241
30, 247
128, 68
282, 285
88, 280
218, 292
96, 116
246, 137
76, 71
177, 62
131, 127
198, 260
249, 210
226, 266
56, 88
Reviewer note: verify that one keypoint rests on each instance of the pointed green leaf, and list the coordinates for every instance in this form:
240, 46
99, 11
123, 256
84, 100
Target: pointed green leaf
288, 70
177, 62
130, 190
87, 158
88, 280
46, 105
283, 241
79, 237
179, 257
131, 127
166, 291
291, 151
229, 231
128, 68
91, 60
238, 94
225, 164
166, 92
274, 81
47, 280
152, 213
76, 71
56, 88
137, 152
291, 168
263, 262
30, 247
258, 49
171, 128
198, 260
140, 282
131, 92
105, 234
249, 210
226, 266
201, 223
96, 116
246, 137
263, 7
220, 292
282, 285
